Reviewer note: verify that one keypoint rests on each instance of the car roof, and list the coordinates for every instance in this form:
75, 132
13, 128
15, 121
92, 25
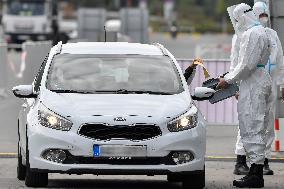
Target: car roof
111, 48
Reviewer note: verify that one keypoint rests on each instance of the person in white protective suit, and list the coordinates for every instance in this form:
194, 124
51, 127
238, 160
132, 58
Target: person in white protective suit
255, 100
275, 68
241, 167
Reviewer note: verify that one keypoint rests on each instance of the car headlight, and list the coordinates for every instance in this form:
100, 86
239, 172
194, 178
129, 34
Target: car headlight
184, 122
48, 118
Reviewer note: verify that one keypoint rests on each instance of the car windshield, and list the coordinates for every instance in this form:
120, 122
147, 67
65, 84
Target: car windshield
26, 8
113, 74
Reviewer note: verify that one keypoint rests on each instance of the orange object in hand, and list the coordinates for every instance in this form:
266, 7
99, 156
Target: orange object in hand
199, 62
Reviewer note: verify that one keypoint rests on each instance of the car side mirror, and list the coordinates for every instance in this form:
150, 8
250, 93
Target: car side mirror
24, 91
203, 93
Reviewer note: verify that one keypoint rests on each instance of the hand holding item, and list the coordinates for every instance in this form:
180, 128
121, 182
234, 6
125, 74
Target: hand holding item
196, 62
199, 62
222, 84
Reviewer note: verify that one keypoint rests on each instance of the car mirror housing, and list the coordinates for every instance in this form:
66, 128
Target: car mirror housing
203, 93
24, 91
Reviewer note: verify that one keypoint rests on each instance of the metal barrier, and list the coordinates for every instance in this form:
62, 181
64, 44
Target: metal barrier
134, 23
222, 113
91, 23
32, 57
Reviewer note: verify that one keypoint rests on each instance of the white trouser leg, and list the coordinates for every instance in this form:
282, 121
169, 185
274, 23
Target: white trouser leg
270, 133
239, 145
252, 109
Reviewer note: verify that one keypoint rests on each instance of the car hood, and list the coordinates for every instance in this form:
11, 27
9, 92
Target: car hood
159, 106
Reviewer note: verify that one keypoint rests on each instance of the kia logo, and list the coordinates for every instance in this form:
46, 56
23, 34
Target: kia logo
119, 119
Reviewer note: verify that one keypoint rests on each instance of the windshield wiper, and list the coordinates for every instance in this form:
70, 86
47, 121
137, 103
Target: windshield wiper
71, 91
119, 91
125, 91
155, 92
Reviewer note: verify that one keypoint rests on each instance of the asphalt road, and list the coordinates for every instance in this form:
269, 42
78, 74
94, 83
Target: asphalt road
218, 176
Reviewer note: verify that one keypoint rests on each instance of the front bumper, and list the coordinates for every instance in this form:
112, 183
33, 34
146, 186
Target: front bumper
41, 139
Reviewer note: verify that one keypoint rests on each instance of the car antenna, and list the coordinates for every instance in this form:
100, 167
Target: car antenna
105, 34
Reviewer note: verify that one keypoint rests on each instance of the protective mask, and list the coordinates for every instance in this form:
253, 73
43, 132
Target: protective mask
264, 20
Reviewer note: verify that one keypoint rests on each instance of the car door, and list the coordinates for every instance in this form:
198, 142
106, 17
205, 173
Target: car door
28, 104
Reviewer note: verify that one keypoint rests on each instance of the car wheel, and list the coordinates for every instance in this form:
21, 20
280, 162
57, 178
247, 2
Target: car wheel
196, 181
21, 169
34, 179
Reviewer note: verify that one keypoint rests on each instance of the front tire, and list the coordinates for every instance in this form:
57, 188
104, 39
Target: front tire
21, 169
34, 179
196, 181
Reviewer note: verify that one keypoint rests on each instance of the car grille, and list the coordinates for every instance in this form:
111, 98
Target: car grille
166, 160
129, 132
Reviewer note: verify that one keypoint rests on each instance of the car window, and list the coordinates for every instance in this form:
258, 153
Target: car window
37, 80
110, 73
25, 8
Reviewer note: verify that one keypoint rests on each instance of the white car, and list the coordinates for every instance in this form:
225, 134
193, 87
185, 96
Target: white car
111, 108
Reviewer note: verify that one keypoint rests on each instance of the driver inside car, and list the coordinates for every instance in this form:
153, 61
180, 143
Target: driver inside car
191, 70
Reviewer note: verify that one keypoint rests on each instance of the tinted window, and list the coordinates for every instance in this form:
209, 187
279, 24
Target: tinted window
26, 8
110, 73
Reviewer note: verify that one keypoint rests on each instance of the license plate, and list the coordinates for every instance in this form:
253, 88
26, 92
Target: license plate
119, 151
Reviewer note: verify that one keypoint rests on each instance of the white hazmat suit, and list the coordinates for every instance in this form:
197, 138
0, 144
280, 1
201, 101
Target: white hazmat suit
275, 67
255, 100
234, 61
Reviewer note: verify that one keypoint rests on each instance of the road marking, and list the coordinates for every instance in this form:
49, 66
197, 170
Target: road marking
229, 158
220, 157
8, 155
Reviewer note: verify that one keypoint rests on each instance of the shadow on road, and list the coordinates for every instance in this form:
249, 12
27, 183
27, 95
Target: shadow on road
108, 183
